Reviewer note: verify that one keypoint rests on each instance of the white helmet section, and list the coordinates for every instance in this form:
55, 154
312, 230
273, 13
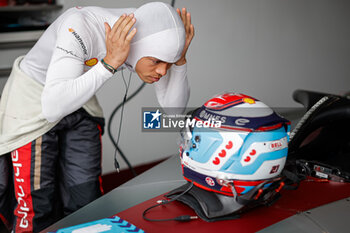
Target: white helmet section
160, 34
246, 110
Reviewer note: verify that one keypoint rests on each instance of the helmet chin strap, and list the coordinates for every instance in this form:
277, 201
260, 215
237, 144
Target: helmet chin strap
257, 194
182, 218
262, 195
227, 183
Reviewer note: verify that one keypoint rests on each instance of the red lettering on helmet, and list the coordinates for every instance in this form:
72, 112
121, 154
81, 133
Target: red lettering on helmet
229, 145
222, 153
247, 159
216, 161
276, 145
253, 152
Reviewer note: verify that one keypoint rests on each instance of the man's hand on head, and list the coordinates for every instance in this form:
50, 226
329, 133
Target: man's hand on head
118, 40
189, 28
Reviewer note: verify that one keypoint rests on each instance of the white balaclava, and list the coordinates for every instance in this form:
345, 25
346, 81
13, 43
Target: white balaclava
160, 34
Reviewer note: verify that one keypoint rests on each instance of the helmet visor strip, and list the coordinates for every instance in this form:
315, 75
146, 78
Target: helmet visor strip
186, 138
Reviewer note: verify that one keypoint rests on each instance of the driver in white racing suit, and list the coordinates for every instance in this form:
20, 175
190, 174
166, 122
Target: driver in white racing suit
50, 119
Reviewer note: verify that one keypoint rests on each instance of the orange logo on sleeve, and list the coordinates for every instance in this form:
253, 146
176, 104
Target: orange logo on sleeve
91, 62
70, 29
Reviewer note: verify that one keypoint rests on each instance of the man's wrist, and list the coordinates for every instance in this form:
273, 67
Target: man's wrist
108, 66
181, 62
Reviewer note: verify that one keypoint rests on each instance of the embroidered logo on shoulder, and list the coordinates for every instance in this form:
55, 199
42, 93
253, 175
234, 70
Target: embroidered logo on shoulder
91, 62
76, 35
70, 52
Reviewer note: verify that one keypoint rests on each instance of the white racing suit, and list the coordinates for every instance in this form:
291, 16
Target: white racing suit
51, 121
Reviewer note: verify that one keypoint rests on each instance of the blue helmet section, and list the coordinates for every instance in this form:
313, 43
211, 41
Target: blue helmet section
235, 167
209, 141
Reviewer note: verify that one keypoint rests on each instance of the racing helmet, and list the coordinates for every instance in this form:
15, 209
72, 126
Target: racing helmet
234, 145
